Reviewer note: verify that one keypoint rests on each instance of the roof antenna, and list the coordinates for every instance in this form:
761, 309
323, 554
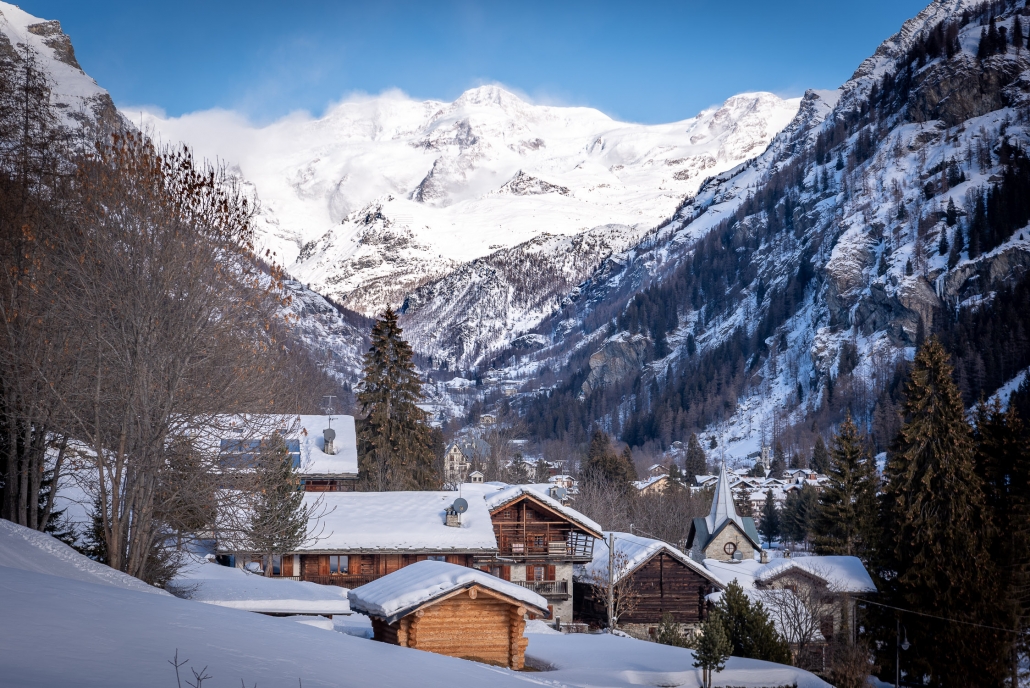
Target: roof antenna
327, 406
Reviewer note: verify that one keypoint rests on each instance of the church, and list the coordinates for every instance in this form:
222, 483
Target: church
723, 535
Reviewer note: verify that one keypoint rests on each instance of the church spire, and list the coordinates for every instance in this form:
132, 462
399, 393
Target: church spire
723, 508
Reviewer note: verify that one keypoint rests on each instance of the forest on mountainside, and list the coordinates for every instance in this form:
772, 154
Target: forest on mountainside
720, 322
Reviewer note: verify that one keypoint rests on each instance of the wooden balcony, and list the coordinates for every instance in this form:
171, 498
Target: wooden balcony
552, 590
344, 581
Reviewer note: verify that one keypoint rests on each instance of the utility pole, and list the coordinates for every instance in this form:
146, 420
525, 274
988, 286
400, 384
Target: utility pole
611, 582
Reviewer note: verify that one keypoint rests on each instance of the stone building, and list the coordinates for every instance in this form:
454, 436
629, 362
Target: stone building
723, 535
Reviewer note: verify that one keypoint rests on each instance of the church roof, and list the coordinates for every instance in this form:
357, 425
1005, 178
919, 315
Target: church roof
723, 513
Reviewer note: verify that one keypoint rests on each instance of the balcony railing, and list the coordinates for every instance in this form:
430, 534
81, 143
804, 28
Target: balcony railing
550, 589
344, 581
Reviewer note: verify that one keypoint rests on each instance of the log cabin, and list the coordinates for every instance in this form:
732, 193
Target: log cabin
652, 579
451, 610
539, 540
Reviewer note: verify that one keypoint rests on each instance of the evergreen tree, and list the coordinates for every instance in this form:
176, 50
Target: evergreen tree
395, 443
750, 630
942, 246
712, 649
696, 462
820, 457
951, 216
770, 525
956, 249
936, 534
1003, 460
631, 466
778, 465
541, 471
669, 632
797, 518
846, 518
518, 470
603, 463
279, 523
1017, 33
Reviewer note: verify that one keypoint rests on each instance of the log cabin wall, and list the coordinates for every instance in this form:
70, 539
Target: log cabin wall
661, 585
481, 628
364, 568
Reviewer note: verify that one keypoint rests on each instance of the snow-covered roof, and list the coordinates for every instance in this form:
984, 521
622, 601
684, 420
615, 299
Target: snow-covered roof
303, 435
398, 522
30, 550
723, 508
631, 551
313, 460
495, 500
208, 582
841, 573
402, 592
644, 484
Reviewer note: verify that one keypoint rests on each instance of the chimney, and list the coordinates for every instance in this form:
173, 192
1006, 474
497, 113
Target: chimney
453, 518
329, 435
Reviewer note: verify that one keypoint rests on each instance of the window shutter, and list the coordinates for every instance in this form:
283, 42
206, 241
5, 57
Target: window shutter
506, 573
529, 572
323, 565
550, 573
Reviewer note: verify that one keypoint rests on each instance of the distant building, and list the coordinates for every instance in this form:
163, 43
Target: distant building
723, 534
460, 456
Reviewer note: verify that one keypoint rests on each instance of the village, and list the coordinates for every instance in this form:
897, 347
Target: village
462, 572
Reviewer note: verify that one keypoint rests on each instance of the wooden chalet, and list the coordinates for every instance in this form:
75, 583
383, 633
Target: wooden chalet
539, 540
653, 579
450, 610
363, 536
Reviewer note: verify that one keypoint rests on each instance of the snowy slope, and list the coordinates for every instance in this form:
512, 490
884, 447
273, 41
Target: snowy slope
384, 193
867, 233
76, 97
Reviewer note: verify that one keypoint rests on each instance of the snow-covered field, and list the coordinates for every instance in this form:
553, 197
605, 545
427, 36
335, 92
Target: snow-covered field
71, 621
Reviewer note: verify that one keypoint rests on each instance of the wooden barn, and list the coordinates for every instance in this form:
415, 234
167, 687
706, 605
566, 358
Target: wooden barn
652, 579
450, 610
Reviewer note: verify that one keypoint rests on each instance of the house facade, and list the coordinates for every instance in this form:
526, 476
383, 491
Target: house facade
652, 579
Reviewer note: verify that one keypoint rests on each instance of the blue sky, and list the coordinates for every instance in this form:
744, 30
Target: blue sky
637, 61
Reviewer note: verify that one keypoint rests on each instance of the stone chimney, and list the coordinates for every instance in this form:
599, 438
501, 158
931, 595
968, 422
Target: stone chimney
453, 518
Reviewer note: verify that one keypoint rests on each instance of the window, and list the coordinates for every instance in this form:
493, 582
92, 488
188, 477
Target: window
277, 565
436, 557
539, 573
538, 541
338, 563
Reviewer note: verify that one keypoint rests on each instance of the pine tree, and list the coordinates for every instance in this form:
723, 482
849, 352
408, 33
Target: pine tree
712, 649
797, 518
770, 525
1017, 33
1002, 451
395, 443
696, 462
280, 519
936, 534
750, 630
778, 465
631, 466
846, 518
669, 632
942, 246
820, 457
604, 464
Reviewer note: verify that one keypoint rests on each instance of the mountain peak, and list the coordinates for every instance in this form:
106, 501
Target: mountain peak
489, 94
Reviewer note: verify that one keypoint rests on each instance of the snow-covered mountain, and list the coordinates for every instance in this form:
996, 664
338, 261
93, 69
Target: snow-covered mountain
788, 289
76, 96
384, 195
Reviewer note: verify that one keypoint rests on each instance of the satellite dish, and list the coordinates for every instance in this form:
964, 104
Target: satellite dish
460, 505
329, 434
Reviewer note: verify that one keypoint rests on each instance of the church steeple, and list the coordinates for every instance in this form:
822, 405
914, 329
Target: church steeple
723, 508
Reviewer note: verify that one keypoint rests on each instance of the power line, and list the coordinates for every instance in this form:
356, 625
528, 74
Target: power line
940, 618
